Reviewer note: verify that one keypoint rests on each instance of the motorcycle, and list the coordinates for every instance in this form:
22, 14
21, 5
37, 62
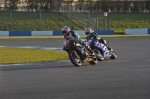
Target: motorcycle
99, 52
78, 54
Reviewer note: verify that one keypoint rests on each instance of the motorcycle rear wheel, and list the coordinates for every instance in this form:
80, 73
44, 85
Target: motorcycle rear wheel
94, 61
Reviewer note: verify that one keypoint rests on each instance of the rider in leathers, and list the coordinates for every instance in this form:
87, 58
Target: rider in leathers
94, 40
66, 32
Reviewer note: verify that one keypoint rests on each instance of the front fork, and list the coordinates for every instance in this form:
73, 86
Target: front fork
74, 52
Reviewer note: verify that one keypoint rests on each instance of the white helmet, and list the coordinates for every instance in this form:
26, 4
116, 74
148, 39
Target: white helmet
88, 31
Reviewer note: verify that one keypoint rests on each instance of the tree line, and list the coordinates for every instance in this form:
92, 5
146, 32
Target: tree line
80, 5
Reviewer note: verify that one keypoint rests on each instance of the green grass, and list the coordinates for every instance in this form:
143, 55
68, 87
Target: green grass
28, 37
129, 20
24, 55
53, 21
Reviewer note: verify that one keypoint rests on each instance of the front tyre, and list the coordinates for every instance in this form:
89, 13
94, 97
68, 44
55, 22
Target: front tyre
113, 54
75, 60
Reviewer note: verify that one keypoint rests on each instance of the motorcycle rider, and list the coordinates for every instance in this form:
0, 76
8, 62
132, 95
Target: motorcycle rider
93, 40
89, 33
66, 32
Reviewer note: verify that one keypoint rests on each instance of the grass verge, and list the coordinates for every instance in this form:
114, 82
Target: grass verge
25, 55
53, 21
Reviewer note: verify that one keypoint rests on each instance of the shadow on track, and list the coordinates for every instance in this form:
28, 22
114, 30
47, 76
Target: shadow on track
41, 66
9, 68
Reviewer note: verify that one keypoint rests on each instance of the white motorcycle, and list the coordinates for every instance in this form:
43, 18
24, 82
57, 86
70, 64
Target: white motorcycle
100, 53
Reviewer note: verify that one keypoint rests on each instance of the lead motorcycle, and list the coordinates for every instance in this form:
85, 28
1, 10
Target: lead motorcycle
78, 54
99, 52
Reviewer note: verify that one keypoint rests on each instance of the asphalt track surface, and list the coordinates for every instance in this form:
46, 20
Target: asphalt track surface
127, 77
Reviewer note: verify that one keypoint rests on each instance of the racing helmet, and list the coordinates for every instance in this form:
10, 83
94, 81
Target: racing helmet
65, 30
94, 36
88, 31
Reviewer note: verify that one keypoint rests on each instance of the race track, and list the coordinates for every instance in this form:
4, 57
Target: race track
127, 77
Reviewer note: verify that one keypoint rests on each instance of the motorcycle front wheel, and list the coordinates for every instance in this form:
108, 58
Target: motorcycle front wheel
113, 54
74, 59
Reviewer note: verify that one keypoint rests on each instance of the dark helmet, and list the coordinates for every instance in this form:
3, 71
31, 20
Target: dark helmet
65, 30
88, 31
94, 36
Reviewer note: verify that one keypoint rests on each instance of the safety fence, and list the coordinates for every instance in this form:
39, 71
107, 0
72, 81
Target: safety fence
80, 32
137, 31
44, 21
51, 33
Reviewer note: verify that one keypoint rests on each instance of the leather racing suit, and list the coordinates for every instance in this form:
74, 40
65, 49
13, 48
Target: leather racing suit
94, 40
77, 38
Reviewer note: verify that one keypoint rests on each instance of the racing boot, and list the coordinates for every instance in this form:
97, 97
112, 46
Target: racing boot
90, 50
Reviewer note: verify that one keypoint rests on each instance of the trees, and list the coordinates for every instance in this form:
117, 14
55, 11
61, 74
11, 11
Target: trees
147, 6
81, 5
10, 4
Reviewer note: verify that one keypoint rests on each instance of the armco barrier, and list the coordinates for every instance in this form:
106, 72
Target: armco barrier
80, 32
137, 31
4, 33
50, 33
148, 31
41, 33
19, 33
57, 33
104, 32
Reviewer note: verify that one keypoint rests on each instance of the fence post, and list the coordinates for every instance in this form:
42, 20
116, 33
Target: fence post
10, 20
88, 19
108, 22
105, 21
40, 20
97, 23
69, 17
57, 6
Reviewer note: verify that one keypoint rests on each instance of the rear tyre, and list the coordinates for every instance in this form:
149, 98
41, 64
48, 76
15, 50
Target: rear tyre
94, 61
